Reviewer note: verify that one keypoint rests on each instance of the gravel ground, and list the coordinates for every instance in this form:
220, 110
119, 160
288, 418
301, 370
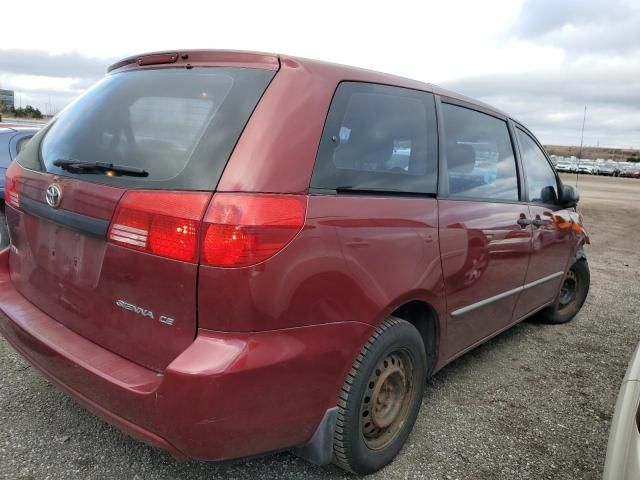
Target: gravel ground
533, 403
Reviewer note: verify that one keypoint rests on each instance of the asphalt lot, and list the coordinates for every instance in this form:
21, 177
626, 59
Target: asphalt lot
533, 403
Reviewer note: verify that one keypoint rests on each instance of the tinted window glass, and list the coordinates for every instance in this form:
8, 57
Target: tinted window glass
541, 180
178, 124
480, 160
378, 138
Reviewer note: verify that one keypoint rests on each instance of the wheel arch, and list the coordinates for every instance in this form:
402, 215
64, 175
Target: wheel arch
424, 317
580, 253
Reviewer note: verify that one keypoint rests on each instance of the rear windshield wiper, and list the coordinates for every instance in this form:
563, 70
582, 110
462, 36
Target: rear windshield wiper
77, 166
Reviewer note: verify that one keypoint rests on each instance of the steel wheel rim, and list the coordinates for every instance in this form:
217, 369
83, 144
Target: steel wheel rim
569, 289
387, 399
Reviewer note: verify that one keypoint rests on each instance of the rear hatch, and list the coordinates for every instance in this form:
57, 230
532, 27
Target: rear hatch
105, 203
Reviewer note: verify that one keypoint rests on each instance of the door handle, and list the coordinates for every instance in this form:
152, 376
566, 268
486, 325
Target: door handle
524, 221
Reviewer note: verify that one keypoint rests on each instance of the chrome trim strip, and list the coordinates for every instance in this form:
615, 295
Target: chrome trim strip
137, 243
543, 280
133, 236
130, 229
500, 296
486, 301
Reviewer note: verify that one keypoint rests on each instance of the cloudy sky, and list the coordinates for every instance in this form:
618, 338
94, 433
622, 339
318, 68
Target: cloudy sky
540, 60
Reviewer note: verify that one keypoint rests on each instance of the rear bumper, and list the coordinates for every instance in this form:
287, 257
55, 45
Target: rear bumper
228, 395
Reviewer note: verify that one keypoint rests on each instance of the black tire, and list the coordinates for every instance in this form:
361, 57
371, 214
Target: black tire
572, 295
4, 231
391, 368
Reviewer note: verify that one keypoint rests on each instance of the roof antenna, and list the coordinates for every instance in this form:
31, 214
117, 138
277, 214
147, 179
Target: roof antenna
584, 118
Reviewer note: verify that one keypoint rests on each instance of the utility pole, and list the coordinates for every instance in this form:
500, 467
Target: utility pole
584, 118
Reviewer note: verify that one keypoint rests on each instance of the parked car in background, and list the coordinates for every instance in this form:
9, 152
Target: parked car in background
565, 166
12, 139
194, 273
624, 165
588, 166
609, 169
623, 453
631, 172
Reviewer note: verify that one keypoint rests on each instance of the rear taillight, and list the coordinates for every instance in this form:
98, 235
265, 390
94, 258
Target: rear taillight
11, 190
238, 229
162, 223
245, 229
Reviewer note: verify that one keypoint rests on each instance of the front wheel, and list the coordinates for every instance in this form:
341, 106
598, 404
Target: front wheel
380, 398
572, 296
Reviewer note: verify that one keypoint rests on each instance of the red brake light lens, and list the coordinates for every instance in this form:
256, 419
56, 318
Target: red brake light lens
162, 223
245, 229
11, 189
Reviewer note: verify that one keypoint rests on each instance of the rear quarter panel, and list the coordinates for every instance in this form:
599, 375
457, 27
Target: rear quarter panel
356, 259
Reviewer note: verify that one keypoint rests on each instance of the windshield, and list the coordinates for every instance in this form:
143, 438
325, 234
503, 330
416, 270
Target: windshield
179, 125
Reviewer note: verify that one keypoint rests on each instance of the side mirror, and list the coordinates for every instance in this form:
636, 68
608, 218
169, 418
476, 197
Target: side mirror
548, 195
569, 196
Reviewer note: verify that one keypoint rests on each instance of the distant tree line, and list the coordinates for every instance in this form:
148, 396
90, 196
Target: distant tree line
26, 112
593, 153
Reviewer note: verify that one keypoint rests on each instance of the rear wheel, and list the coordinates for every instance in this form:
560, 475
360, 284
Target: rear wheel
572, 296
380, 398
4, 230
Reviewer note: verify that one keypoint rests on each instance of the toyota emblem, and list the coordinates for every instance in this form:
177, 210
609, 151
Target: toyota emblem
54, 196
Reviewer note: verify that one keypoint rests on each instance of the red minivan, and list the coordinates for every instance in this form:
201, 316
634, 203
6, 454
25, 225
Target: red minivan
230, 253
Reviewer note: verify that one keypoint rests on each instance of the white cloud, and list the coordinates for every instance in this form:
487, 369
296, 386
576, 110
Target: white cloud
453, 43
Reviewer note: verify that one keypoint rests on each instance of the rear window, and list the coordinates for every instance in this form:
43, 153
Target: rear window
180, 125
378, 137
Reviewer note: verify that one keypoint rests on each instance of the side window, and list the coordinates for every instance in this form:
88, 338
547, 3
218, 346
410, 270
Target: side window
539, 175
378, 137
480, 159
